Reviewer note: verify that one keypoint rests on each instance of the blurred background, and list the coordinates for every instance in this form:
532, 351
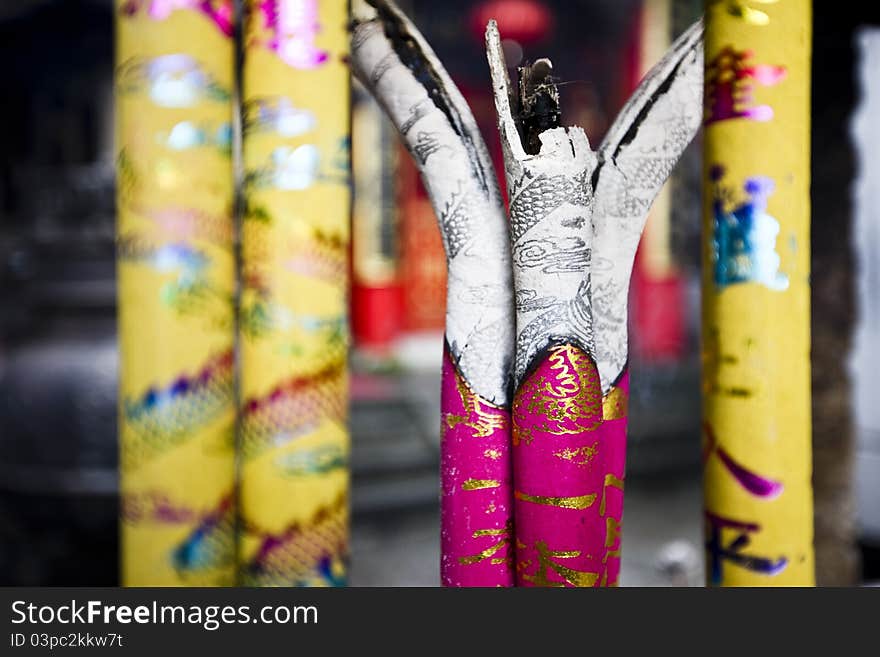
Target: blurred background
58, 351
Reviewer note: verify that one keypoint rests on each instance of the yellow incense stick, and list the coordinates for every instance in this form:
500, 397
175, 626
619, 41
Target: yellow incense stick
176, 277
294, 332
756, 295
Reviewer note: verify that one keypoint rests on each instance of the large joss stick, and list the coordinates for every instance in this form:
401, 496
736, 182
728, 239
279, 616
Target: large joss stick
576, 216
395, 63
294, 438
176, 277
756, 294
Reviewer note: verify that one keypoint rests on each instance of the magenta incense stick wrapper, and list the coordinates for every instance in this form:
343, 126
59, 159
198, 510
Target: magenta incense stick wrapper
391, 58
576, 216
561, 451
476, 541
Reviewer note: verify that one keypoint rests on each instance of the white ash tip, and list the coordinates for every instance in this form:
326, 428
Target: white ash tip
492, 35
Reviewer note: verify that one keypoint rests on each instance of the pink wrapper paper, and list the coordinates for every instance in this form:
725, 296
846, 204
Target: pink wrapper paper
568, 468
476, 510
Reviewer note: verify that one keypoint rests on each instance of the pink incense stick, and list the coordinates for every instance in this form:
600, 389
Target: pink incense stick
476, 536
391, 58
559, 458
576, 216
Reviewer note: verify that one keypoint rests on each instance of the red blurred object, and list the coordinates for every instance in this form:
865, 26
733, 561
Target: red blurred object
375, 314
524, 21
422, 259
658, 312
376, 294
422, 267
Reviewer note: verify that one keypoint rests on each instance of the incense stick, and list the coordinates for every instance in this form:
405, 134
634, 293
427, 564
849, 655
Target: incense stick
294, 438
576, 217
399, 68
176, 278
756, 296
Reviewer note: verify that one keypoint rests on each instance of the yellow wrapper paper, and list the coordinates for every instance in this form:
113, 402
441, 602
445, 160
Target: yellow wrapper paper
294, 334
756, 295
176, 277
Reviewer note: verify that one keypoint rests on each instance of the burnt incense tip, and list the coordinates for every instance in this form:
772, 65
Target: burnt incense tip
541, 69
538, 103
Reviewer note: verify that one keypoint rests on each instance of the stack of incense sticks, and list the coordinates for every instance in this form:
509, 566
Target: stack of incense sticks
395, 63
294, 438
575, 221
176, 277
756, 294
